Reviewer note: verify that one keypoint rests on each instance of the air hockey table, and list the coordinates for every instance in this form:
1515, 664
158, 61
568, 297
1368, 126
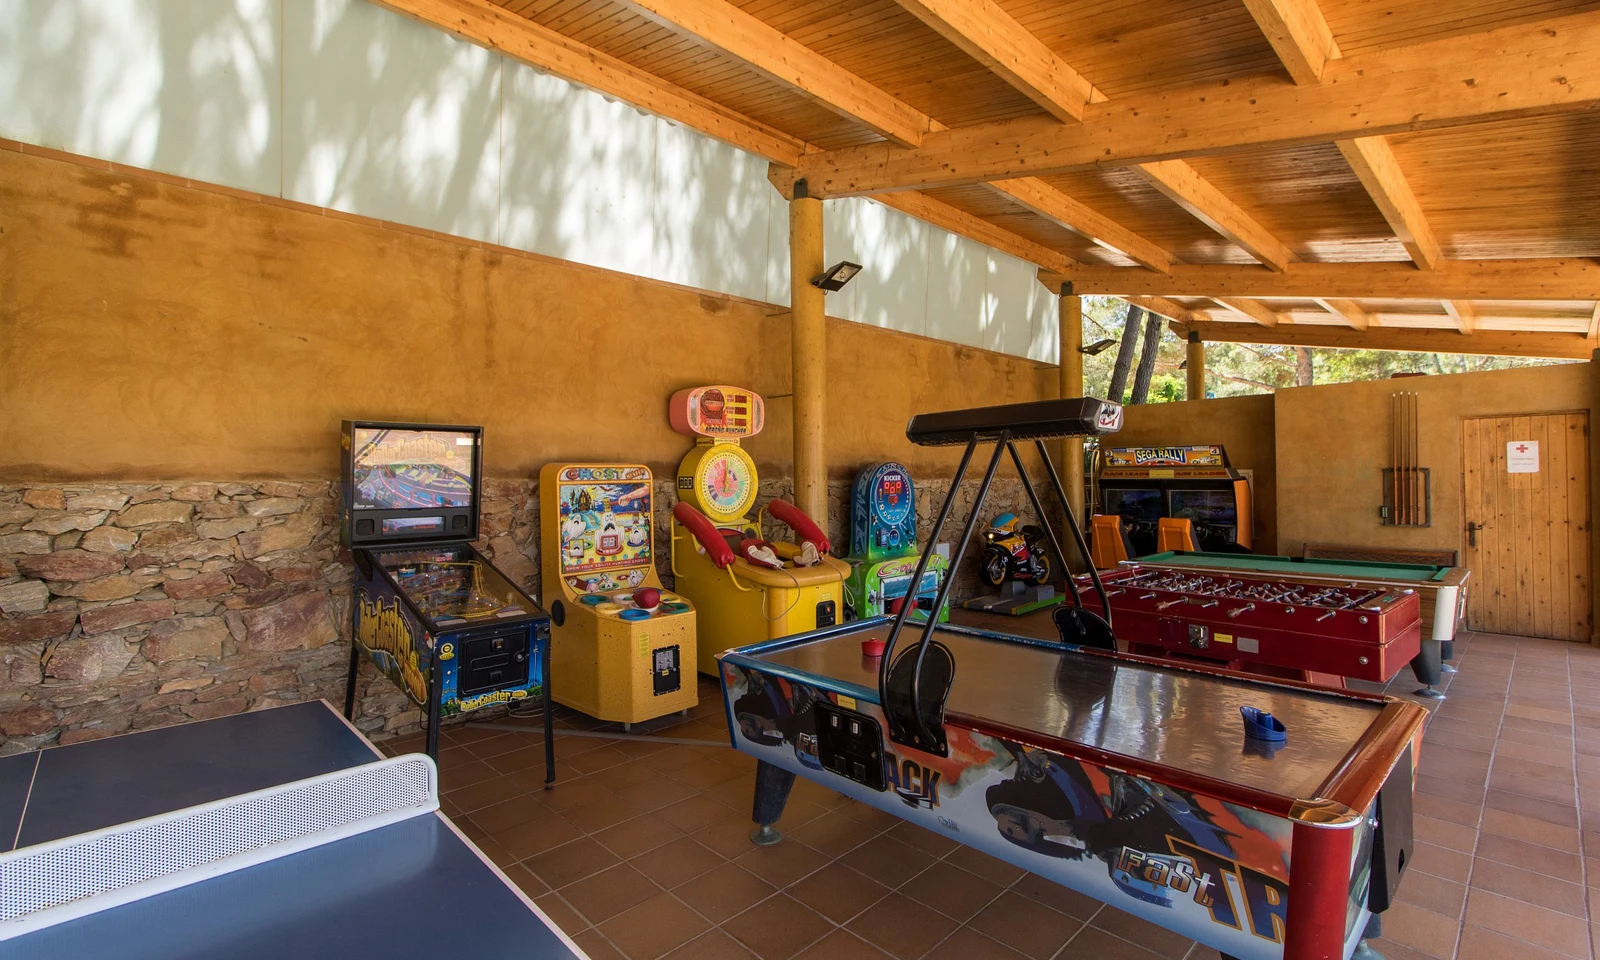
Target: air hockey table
1151, 785
1440, 589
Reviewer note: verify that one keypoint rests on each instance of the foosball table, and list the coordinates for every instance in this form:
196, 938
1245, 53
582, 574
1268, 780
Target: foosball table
1271, 626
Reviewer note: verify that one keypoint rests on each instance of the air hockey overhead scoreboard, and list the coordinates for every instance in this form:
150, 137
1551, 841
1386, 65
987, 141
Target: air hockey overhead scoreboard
1153, 786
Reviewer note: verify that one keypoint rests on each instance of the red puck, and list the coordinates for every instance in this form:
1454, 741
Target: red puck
872, 647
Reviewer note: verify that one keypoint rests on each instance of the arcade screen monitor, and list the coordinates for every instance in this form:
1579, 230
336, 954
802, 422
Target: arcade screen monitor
1215, 510
411, 469
1138, 504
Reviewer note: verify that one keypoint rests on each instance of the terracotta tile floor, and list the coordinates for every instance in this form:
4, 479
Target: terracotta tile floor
642, 849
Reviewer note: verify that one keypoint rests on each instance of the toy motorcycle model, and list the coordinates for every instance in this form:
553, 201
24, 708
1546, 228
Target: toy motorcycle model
1014, 551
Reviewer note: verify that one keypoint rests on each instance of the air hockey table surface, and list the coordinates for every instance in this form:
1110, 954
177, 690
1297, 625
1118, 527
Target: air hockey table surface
1187, 721
1128, 779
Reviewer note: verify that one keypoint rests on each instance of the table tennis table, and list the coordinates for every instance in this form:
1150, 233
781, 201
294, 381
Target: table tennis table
398, 884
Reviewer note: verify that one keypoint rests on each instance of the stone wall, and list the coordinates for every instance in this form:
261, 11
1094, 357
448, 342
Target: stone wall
125, 606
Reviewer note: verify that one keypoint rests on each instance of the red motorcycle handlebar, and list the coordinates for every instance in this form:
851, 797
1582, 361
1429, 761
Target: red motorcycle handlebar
704, 531
801, 524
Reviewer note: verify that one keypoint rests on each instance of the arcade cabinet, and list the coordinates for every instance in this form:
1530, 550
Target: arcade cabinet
428, 609
619, 641
883, 545
740, 584
1141, 485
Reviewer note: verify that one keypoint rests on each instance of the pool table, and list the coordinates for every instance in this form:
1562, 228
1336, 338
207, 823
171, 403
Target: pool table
1441, 589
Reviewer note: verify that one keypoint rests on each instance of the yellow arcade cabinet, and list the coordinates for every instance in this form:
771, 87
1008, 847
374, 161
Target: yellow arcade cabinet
622, 643
744, 589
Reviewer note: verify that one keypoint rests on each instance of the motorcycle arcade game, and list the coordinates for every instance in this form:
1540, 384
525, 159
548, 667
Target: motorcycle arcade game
883, 545
1141, 485
1265, 819
620, 642
429, 610
1015, 561
740, 584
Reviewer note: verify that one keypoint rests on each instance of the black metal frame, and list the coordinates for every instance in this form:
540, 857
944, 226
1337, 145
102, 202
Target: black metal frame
1037, 421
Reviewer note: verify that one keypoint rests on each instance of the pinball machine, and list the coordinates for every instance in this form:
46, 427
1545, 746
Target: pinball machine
1263, 818
430, 611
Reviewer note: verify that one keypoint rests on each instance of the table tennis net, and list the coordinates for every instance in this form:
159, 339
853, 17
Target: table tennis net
64, 879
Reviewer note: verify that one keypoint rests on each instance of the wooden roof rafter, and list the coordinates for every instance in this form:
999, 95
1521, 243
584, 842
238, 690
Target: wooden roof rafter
1533, 68
1509, 343
1300, 36
1252, 310
1349, 311
1575, 278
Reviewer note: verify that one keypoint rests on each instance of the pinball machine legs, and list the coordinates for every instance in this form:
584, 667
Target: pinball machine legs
772, 794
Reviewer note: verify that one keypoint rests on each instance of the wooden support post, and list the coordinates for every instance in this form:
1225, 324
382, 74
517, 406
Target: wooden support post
1594, 499
808, 355
1069, 315
1195, 367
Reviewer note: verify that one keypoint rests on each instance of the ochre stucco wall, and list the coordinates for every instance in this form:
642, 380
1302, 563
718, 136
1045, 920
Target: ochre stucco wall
1243, 425
157, 331
1333, 443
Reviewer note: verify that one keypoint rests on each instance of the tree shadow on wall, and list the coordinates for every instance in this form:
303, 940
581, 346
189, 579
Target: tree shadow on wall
77, 75
387, 118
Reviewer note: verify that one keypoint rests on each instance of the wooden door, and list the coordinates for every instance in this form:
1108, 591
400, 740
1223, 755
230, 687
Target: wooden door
1529, 555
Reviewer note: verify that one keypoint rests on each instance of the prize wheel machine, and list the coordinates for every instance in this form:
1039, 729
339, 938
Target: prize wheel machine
736, 599
883, 545
620, 640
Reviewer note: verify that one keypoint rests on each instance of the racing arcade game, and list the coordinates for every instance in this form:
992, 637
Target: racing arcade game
1142, 485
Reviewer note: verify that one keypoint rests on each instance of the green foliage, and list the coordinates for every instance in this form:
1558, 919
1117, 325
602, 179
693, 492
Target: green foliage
1239, 369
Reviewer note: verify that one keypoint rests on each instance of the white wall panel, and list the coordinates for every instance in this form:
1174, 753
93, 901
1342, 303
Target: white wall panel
841, 240
777, 249
957, 274
1046, 346
893, 284
186, 87
342, 104
711, 214
579, 174
1007, 318
386, 118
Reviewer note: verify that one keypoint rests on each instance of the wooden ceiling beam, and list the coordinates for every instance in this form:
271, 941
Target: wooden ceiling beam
751, 40
1462, 314
1534, 68
1375, 166
1349, 311
487, 25
1249, 309
1009, 50
1166, 308
1502, 343
1298, 33
1057, 207
1594, 322
1181, 184
1557, 279
925, 208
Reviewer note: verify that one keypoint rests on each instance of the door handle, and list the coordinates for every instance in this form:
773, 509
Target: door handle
1472, 533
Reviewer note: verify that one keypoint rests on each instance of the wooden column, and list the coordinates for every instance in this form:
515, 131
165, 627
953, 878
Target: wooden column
1069, 459
808, 354
1195, 367
1594, 500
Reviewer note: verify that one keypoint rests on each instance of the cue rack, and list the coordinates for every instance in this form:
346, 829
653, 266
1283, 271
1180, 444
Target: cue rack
1407, 490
